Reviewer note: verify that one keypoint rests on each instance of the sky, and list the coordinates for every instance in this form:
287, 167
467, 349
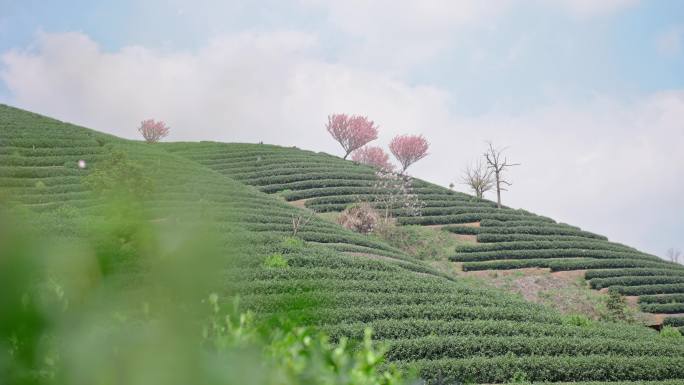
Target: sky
587, 95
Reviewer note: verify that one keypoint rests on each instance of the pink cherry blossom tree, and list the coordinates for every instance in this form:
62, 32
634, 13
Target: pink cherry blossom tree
153, 130
373, 156
409, 149
352, 132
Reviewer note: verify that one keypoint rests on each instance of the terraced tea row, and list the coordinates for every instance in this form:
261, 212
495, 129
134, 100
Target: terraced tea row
328, 183
563, 247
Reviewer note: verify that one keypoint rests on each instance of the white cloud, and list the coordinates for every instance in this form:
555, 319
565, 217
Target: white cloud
669, 42
398, 34
614, 167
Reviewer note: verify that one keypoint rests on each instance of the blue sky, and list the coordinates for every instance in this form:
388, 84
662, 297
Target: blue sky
598, 84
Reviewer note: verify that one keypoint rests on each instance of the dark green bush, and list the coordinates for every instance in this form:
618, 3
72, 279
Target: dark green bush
609, 273
547, 253
544, 368
650, 289
665, 298
533, 245
666, 308
674, 321
600, 283
435, 348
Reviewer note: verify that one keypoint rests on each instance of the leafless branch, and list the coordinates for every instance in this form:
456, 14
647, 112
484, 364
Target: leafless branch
299, 221
497, 167
478, 177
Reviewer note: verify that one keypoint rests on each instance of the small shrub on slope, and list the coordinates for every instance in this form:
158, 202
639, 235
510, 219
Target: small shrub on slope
361, 218
118, 174
417, 241
578, 320
670, 332
275, 261
292, 244
617, 308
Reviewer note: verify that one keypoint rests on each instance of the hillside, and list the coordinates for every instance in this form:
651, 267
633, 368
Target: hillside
500, 239
446, 327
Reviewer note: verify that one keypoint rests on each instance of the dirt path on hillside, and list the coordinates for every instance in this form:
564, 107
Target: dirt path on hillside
459, 237
570, 274
566, 291
298, 203
657, 319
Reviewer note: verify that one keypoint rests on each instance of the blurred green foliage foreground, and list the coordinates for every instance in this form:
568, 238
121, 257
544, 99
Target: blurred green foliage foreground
128, 304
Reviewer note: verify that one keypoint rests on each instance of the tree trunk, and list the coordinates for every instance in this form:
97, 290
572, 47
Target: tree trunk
498, 191
346, 155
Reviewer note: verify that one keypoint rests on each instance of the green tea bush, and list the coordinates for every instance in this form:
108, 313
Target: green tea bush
493, 238
539, 245
599, 283
650, 289
275, 261
545, 368
531, 220
674, 321
609, 273
566, 264
413, 328
582, 263
435, 348
118, 174
578, 320
664, 298
547, 253
535, 230
670, 333
666, 308
617, 307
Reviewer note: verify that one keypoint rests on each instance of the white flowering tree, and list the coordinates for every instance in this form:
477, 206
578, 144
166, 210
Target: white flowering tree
396, 191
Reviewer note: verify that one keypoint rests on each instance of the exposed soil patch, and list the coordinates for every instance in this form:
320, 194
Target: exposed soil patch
657, 319
566, 291
459, 237
464, 237
299, 203
569, 274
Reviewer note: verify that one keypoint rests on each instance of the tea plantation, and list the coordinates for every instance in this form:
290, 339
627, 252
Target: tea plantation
506, 238
447, 329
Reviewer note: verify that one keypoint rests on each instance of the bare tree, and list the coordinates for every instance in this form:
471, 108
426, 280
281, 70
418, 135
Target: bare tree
497, 164
299, 221
674, 254
479, 177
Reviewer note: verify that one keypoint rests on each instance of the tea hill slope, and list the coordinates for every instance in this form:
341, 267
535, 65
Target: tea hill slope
503, 238
449, 329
